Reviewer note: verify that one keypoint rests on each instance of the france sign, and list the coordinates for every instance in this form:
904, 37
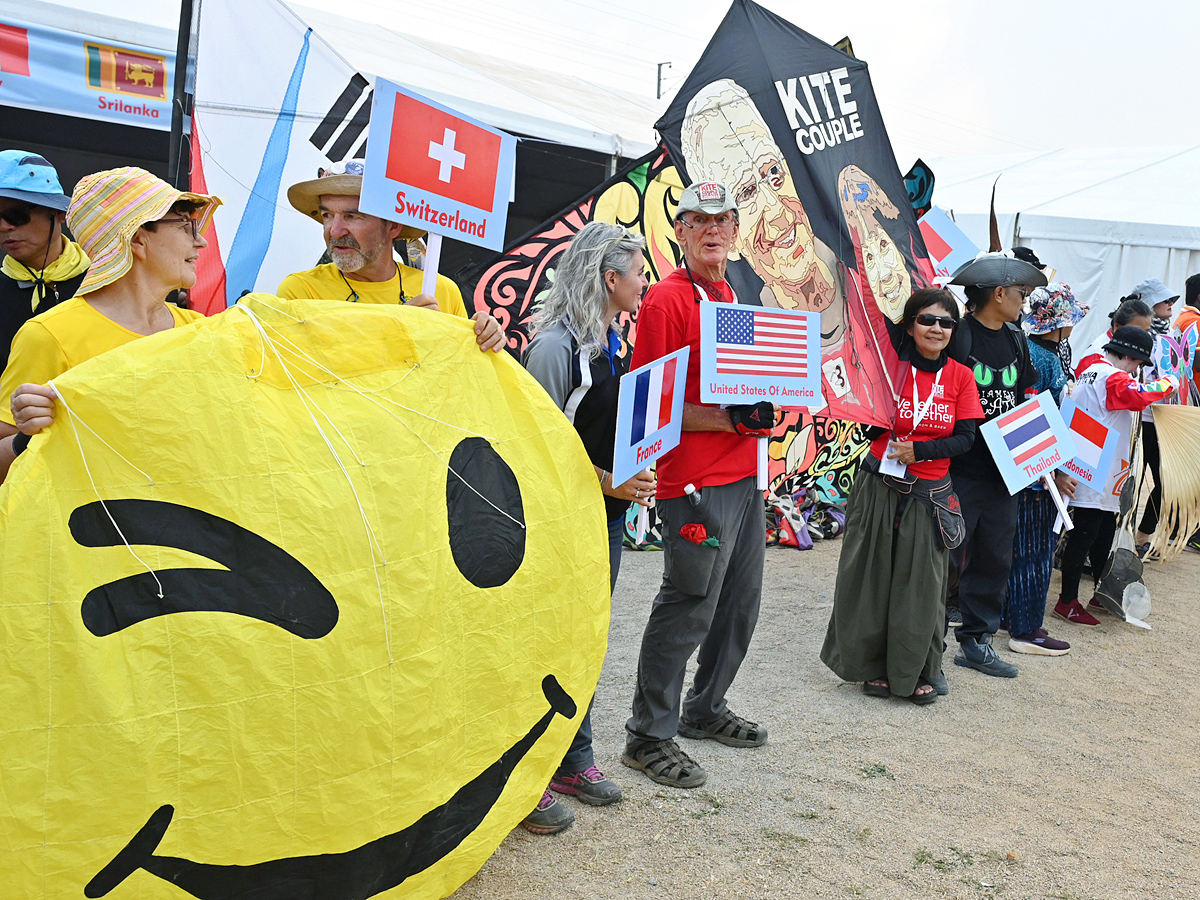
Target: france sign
649, 414
436, 169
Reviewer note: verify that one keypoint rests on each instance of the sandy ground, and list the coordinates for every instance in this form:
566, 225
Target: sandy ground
1077, 780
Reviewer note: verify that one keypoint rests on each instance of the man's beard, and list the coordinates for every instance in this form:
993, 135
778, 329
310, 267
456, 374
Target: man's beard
351, 256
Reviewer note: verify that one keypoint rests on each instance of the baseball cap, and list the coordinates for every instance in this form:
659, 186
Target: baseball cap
708, 197
28, 177
1131, 341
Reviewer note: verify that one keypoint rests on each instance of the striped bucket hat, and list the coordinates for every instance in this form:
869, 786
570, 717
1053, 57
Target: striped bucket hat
108, 207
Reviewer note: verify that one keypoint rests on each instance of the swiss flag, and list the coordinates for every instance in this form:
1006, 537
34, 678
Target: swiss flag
14, 50
443, 154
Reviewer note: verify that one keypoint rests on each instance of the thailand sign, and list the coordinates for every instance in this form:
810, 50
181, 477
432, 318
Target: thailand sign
50, 70
1029, 441
753, 353
1095, 446
649, 414
434, 168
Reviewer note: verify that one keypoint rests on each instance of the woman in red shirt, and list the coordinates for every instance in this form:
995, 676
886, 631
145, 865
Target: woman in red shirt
889, 604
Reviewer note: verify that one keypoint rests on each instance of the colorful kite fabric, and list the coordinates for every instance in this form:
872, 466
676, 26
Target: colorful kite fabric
791, 127
286, 611
813, 456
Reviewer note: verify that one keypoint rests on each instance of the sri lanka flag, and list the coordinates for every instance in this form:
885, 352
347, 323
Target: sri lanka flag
653, 399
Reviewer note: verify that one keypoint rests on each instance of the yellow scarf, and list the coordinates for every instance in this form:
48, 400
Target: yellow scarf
71, 262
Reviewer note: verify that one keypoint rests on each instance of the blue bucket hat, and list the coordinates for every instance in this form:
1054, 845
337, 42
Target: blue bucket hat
29, 177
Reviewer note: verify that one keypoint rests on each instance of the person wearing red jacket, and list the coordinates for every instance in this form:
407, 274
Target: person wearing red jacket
710, 594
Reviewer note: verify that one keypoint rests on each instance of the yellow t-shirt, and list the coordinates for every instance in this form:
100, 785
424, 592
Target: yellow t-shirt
326, 283
60, 339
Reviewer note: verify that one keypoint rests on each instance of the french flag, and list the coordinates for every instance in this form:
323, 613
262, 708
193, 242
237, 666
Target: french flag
653, 400
1026, 431
1089, 438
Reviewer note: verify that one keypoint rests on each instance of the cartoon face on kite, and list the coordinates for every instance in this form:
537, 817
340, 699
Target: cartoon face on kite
305, 630
863, 205
725, 139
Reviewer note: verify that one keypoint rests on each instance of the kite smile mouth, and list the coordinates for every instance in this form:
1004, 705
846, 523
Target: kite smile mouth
363, 872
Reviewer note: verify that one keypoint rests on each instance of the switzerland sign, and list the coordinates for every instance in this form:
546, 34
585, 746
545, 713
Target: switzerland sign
436, 169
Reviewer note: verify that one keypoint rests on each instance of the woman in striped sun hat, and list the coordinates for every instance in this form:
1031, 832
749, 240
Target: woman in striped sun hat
144, 238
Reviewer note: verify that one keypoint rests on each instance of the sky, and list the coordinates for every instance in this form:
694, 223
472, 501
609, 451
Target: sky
953, 77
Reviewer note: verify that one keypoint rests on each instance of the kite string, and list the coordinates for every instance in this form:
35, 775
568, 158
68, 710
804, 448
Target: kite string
71, 417
371, 399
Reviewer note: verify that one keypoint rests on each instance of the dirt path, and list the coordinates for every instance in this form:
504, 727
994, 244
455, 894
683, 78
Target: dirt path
1079, 779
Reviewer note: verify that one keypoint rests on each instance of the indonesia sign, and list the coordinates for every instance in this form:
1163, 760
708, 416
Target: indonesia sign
436, 169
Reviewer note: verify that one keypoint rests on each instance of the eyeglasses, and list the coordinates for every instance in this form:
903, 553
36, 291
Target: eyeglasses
929, 320
723, 221
17, 216
179, 220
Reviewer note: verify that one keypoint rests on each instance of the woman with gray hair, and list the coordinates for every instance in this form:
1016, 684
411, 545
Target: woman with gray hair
576, 356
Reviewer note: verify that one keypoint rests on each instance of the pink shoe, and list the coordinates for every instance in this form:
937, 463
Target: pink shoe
1074, 612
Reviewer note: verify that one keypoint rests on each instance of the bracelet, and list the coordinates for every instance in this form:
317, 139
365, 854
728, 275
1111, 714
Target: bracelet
604, 473
19, 442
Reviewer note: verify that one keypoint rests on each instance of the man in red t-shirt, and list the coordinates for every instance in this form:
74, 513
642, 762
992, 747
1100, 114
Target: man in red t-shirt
710, 595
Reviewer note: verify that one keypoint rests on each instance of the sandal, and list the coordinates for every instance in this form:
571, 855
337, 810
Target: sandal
923, 698
731, 730
664, 762
877, 687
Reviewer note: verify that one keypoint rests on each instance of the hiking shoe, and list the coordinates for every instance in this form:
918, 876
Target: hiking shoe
591, 786
980, 656
664, 762
730, 730
1038, 643
1074, 612
550, 816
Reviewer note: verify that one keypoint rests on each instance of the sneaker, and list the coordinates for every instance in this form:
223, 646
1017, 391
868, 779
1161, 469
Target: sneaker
980, 656
953, 613
665, 763
591, 786
1144, 554
1038, 643
550, 816
1095, 605
730, 730
1193, 543
1074, 612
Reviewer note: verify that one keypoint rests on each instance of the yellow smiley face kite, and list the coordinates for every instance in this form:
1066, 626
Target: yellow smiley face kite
303, 601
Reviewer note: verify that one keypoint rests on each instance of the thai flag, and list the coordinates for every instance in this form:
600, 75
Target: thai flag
1026, 432
1089, 438
653, 399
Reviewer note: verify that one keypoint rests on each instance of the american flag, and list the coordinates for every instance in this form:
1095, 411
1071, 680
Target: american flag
755, 341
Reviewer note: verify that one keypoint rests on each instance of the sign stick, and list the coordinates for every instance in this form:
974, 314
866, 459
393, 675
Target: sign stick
1063, 520
433, 256
643, 523
762, 463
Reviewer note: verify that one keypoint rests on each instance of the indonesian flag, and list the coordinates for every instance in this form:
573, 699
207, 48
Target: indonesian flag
1090, 435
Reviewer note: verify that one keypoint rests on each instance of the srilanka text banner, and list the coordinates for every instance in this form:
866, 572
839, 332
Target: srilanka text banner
649, 414
1095, 447
754, 353
1029, 441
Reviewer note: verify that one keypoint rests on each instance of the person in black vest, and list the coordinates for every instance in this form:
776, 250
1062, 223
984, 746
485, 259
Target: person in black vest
576, 356
995, 349
41, 267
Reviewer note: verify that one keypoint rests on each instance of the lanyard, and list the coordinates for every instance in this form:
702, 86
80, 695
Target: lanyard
921, 410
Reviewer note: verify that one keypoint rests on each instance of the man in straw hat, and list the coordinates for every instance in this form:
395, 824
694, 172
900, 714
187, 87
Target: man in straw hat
995, 349
143, 238
363, 269
41, 266
709, 596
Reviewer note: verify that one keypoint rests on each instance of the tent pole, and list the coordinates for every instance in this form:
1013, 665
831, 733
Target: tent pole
179, 160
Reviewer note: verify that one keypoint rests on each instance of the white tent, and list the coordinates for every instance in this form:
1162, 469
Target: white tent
1105, 219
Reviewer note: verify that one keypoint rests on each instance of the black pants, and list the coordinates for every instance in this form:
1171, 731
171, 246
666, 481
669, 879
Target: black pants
1091, 537
1150, 457
985, 555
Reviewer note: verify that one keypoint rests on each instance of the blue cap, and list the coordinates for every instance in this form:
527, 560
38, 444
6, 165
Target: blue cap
29, 177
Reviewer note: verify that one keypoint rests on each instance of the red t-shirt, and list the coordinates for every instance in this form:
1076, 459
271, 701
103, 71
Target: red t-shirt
669, 319
954, 397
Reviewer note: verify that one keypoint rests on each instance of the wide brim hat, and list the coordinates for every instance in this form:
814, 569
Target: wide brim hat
1153, 292
1053, 307
31, 179
305, 197
1131, 341
998, 270
108, 207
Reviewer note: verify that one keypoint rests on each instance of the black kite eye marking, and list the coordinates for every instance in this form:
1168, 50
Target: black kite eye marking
354, 875
487, 545
263, 581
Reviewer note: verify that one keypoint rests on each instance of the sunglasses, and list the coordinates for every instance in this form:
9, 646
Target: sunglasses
929, 320
1024, 292
179, 220
17, 216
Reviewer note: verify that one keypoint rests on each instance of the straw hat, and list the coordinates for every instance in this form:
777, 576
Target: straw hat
340, 179
108, 207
